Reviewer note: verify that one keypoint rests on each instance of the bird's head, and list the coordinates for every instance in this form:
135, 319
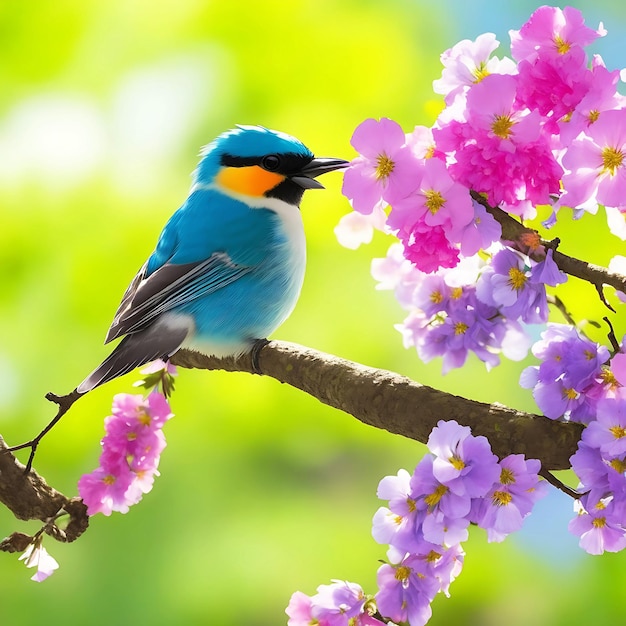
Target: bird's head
257, 162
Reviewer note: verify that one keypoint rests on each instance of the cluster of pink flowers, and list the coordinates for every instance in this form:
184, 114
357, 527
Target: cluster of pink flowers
461, 482
547, 127
131, 450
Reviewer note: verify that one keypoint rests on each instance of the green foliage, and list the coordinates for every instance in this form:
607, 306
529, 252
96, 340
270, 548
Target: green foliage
263, 490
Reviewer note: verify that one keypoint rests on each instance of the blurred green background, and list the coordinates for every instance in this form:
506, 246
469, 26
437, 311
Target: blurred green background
103, 108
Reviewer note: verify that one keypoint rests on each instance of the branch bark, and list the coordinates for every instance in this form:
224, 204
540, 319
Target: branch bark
379, 398
29, 497
512, 230
398, 404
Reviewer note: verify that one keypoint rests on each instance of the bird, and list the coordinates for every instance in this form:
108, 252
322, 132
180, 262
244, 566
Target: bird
229, 264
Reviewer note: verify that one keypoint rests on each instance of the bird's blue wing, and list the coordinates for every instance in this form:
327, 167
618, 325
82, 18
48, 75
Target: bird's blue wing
210, 242
169, 287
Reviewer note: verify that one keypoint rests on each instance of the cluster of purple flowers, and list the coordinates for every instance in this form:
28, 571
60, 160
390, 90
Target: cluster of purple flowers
575, 381
339, 604
474, 307
547, 127
460, 482
131, 450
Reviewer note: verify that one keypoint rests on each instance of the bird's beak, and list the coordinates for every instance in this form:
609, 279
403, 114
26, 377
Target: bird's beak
306, 176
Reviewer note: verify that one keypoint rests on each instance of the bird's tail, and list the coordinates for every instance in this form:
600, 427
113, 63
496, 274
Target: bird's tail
134, 351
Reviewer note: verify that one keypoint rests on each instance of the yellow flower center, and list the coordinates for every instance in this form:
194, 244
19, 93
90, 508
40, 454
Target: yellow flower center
618, 431
507, 477
480, 71
402, 573
433, 557
460, 328
411, 504
608, 378
143, 416
384, 166
599, 522
501, 498
432, 499
517, 278
434, 201
502, 125
612, 159
457, 464
456, 293
570, 393
619, 465
109, 479
593, 116
436, 297
562, 46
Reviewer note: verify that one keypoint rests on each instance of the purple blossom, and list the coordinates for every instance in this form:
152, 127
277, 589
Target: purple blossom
599, 525
507, 284
339, 604
406, 591
608, 431
463, 463
503, 510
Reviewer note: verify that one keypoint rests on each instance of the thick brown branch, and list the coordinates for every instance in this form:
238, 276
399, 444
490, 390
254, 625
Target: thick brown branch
512, 230
399, 405
29, 497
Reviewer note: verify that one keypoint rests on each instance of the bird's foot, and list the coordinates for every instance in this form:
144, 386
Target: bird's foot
255, 353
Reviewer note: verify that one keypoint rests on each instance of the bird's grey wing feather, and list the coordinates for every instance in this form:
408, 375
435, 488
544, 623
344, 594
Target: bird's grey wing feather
133, 351
171, 286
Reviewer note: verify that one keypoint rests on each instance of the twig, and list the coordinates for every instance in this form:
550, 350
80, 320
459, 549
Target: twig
561, 486
64, 403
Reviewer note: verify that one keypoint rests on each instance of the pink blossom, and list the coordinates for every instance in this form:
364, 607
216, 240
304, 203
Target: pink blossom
428, 248
382, 173
160, 366
104, 490
479, 233
130, 454
467, 63
596, 170
552, 32
437, 201
499, 148
602, 96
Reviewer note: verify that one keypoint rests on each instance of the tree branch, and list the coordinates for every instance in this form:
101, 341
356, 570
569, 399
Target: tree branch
512, 230
398, 404
29, 497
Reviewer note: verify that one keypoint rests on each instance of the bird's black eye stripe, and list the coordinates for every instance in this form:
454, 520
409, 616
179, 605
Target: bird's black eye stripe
271, 162
288, 163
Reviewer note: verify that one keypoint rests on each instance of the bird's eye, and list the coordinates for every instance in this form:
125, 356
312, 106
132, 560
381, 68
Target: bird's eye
271, 162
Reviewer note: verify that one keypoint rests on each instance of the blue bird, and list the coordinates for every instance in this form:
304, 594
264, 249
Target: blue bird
229, 264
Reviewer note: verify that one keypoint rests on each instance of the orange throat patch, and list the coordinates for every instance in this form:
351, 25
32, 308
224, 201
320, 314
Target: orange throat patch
249, 181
